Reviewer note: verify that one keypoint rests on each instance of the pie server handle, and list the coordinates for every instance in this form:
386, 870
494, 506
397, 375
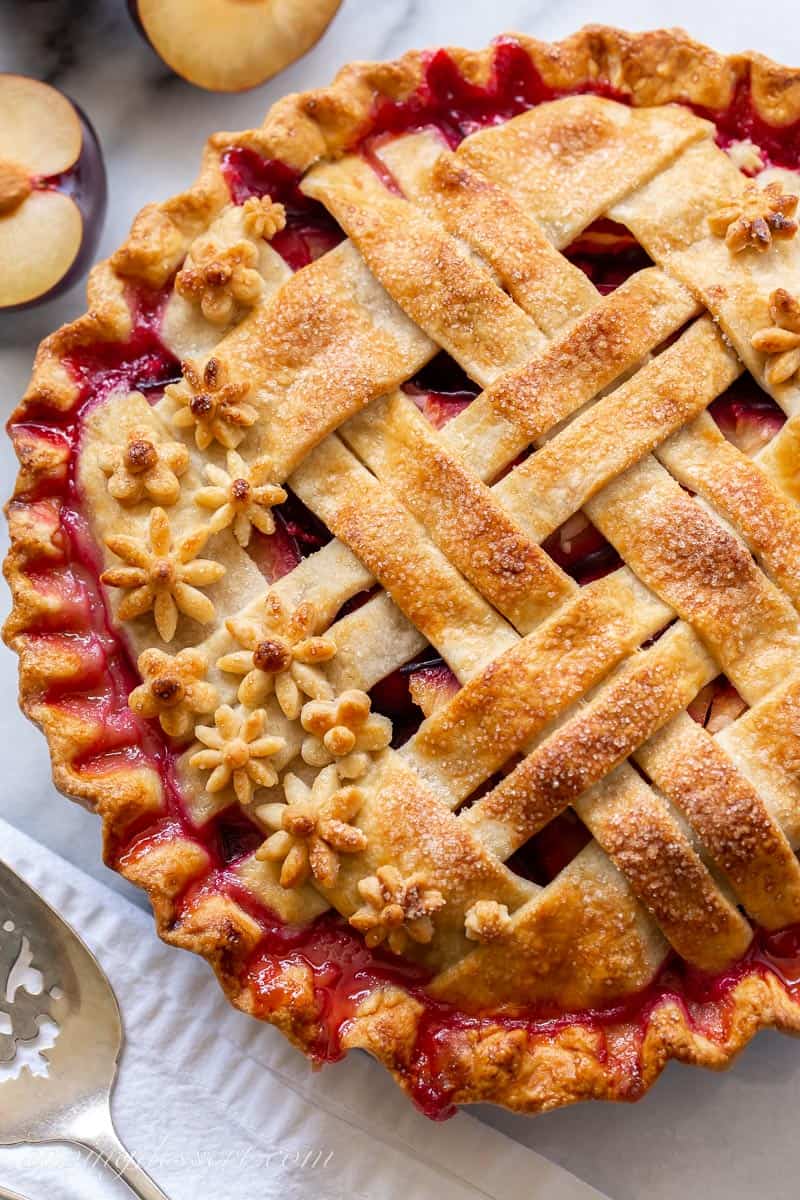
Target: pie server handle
103, 1141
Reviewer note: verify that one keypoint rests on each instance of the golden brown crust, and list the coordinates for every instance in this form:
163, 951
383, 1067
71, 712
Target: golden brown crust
607, 341
474, 531
489, 328
689, 766
646, 691
493, 1062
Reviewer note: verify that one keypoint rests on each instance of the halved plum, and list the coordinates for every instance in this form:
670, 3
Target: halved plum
231, 45
52, 192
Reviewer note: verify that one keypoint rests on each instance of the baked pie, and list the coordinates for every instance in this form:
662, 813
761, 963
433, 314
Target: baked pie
406, 563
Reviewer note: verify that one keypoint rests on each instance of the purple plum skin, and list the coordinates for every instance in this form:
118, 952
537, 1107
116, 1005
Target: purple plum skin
133, 9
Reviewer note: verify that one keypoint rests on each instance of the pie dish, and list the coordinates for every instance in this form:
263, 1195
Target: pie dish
405, 564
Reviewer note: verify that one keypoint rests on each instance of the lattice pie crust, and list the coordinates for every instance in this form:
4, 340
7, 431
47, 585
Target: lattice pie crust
658, 938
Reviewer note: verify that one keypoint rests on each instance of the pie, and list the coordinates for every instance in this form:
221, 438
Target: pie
406, 564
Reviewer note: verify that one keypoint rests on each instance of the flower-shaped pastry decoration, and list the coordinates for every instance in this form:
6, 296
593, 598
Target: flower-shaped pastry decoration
487, 921
344, 731
237, 750
240, 496
781, 340
312, 828
174, 689
396, 909
214, 407
162, 577
757, 217
279, 654
221, 278
262, 218
144, 466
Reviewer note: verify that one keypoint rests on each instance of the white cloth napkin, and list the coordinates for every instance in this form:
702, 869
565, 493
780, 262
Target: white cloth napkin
213, 1102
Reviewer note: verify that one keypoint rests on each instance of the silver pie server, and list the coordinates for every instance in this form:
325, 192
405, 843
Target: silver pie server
72, 1102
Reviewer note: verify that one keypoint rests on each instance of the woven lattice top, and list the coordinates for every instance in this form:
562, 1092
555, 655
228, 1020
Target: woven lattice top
460, 251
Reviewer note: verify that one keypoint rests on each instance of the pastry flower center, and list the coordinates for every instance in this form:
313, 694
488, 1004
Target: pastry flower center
202, 405
162, 574
272, 656
168, 691
236, 754
240, 491
140, 456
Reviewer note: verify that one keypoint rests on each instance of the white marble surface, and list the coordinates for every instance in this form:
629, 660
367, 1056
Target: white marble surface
724, 1136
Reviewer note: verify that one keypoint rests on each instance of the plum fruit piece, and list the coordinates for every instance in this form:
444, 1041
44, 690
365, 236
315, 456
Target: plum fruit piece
231, 45
747, 416
52, 192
